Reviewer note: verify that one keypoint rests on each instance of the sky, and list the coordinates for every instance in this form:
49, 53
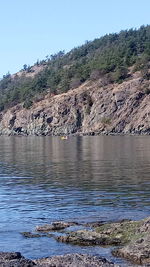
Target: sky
33, 29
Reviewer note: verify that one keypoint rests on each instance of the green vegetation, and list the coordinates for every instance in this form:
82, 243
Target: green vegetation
109, 56
121, 232
106, 121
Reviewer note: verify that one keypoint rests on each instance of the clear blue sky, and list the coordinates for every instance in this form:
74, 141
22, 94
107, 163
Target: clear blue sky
32, 29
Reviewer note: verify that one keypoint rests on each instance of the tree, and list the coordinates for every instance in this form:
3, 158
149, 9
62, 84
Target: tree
120, 74
25, 67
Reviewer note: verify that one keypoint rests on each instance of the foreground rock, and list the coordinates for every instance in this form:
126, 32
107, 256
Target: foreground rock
8, 259
15, 259
74, 260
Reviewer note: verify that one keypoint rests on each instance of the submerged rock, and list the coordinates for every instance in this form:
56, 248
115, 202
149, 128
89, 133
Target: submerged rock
55, 226
30, 235
74, 260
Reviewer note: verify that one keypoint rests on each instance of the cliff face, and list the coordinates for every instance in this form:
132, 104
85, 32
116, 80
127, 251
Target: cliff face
94, 107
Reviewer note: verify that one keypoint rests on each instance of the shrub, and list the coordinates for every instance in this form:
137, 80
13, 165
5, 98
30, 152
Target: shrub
28, 103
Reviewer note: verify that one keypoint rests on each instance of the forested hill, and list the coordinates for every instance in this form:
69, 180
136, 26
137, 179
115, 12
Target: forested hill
110, 56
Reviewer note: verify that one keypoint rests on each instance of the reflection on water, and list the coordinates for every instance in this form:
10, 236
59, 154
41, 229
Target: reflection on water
43, 179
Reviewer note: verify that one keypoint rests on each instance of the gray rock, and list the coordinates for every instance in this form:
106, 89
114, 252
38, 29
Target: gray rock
14, 259
74, 260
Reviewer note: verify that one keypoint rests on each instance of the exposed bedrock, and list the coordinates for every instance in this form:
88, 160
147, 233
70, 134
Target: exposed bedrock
92, 108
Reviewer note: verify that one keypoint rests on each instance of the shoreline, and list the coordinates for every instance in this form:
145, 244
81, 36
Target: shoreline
129, 240
78, 134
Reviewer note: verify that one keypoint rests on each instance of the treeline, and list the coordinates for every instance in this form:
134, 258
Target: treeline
109, 57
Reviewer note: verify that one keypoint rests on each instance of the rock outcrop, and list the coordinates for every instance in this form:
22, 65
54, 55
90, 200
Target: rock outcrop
111, 234
131, 237
93, 108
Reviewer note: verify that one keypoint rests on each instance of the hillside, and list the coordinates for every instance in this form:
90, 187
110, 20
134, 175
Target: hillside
100, 87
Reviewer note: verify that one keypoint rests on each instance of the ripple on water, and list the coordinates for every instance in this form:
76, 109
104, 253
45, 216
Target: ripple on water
85, 179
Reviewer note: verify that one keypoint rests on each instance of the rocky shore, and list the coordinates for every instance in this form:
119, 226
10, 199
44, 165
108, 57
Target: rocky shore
95, 107
131, 240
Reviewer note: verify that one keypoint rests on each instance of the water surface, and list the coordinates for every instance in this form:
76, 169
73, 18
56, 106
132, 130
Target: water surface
45, 179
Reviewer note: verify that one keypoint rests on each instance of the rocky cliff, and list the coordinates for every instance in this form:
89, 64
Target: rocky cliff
94, 107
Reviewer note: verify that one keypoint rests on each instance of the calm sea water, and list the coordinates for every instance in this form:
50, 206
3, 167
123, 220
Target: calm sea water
45, 179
